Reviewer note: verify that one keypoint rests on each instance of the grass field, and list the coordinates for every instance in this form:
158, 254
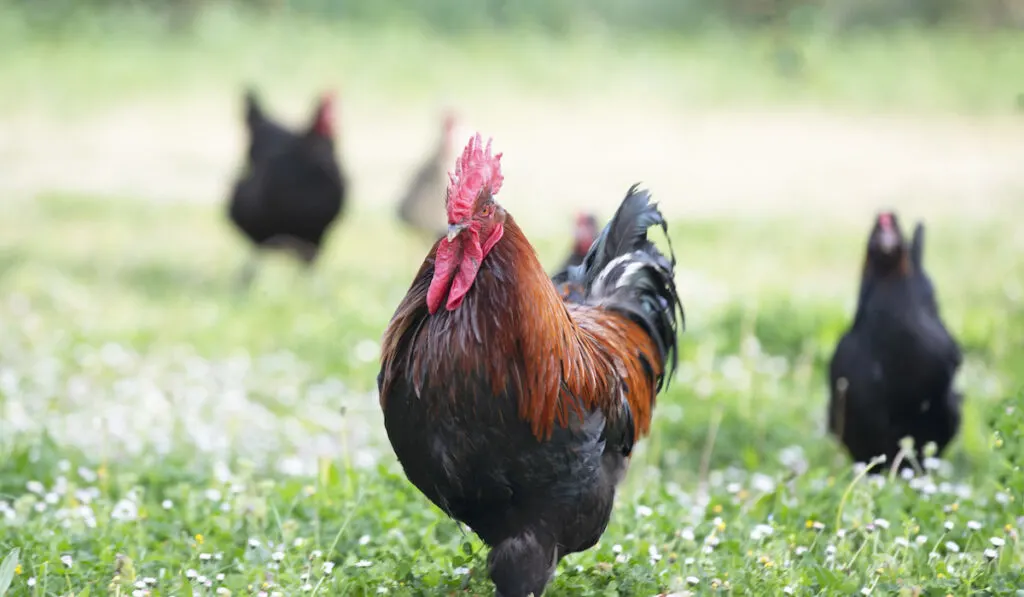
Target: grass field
162, 433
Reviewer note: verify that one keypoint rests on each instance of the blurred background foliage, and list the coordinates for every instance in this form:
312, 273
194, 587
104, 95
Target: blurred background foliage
557, 17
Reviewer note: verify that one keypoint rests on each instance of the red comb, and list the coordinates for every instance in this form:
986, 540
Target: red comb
475, 170
584, 219
325, 113
885, 220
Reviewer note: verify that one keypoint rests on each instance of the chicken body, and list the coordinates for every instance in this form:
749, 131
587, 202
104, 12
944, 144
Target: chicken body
516, 413
892, 373
583, 237
419, 207
292, 189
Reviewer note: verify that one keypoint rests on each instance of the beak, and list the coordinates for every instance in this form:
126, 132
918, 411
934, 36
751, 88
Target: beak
454, 230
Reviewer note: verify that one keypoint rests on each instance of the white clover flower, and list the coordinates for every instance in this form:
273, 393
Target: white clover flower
921, 539
277, 556
167, 504
205, 556
643, 511
254, 543
364, 564
461, 571
35, 487
997, 541
87, 475
948, 525
952, 546
191, 574
66, 560
865, 591
223, 591
881, 523
761, 531
125, 511
788, 590
692, 580
652, 552
616, 548
687, 534
991, 553
901, 541
364, 540
31, 581
328, 567
299, 542
315, 554
974, 525
307, 587
219, 577
800, 550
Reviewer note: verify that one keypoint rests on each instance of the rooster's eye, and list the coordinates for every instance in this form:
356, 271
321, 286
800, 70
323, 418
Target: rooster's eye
486, 210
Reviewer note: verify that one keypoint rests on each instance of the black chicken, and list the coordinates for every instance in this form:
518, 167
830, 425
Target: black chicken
292, 189
583, 237
892, 372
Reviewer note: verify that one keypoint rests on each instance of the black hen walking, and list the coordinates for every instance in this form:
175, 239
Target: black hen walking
292, 189
892, 372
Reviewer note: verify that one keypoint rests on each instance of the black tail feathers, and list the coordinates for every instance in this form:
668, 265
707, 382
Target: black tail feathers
624, 272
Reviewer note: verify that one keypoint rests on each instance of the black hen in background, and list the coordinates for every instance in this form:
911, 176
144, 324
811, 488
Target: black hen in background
584, 234
292, 188
892, 372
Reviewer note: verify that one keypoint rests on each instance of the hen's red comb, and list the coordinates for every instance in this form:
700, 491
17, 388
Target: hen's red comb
885, 220
325, 113
475, 170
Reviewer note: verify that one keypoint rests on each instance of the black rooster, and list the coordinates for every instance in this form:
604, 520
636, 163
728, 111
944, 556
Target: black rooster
292, 189
892, 372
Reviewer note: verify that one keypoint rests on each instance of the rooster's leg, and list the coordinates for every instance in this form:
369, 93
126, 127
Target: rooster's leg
521, 566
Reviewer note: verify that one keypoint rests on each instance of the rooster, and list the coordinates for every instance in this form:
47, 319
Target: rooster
418, 207
292, 189
513, 411
892, 372
583, 237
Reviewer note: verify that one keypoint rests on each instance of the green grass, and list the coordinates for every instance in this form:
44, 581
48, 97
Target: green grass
161, 431
90, 62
